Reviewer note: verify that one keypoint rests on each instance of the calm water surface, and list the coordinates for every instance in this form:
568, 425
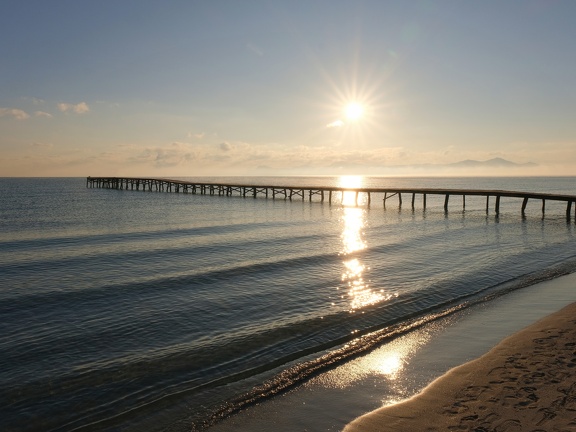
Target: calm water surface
125, 310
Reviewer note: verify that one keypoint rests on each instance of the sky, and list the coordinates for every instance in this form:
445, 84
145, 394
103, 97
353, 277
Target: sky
316, 87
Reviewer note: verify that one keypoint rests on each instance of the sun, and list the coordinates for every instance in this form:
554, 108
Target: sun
353, 111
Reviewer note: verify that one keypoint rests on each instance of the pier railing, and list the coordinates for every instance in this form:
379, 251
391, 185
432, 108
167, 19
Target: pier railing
322, 193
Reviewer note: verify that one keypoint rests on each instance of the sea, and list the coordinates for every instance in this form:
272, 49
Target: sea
161, 311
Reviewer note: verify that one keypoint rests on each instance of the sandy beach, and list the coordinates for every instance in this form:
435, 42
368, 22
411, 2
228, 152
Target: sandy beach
526, 383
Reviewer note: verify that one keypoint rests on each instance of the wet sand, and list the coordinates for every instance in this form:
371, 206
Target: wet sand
526, 383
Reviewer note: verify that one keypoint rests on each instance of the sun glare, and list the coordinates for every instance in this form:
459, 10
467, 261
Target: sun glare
353, 111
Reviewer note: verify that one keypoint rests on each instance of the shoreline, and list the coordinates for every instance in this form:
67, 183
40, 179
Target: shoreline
402, 368
526, 382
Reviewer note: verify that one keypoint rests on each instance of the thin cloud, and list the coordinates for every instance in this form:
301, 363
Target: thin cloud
256, 50
35, 101
80, 108
335, 124
196, 135
175, 154
41, 145
225, 146
43, 114
15, 113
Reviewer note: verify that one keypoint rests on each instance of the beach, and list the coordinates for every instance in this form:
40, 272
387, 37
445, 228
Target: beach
527, 382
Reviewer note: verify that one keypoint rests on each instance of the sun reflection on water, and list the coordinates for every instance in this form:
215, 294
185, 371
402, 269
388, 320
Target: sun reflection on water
389, 364
353, 220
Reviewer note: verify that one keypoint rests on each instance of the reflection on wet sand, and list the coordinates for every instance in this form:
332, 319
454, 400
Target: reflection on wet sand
387, 362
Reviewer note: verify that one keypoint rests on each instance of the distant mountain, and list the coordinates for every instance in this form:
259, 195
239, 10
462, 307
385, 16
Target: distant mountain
491, 163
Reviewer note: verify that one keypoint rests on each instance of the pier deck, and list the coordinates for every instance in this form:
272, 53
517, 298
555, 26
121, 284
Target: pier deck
321, 194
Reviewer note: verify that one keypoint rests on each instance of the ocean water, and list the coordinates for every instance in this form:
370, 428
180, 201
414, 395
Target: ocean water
126, 310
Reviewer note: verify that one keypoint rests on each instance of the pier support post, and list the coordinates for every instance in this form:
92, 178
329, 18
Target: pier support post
568, 208
487, 203
399, 199
424, 201
356, 199
524, 204
413, 198
385, 198
369, 199
463, 202
497, 204
446, 202
330, 197
543, 207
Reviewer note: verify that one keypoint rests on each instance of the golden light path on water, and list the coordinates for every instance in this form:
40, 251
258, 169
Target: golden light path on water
353, 221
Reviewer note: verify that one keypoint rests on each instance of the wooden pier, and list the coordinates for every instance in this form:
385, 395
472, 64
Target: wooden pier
316, 193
